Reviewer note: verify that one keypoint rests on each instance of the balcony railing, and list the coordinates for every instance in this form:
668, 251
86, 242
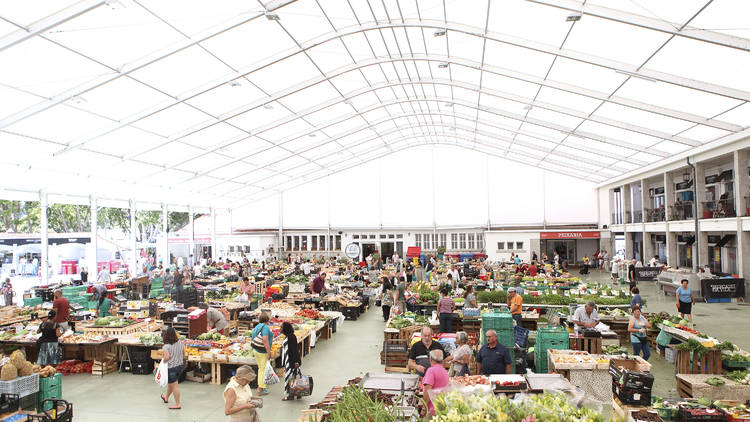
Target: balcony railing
720, 208
638, 216
654, 215
616, 218
681, 211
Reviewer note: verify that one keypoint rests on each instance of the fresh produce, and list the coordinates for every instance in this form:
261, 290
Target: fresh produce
112, 321
209, 336
309, 313
355, 404
613, 350
297, 279
471, 380
9, 372
692, 345
742, 377
726, 345
715, 381
736, 357
151, 339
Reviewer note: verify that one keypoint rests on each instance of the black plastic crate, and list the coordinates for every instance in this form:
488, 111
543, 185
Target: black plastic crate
395, 346
139, 354
632, 396
9, 402
685, 416
143, 368
631, 379
351, 313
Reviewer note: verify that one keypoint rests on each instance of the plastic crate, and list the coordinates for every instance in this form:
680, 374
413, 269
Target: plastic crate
521, 335
497, 321
670, 354
632, 396
9, 403
155, 293
93, 304
23, 386
734, 364
34, 301
685, 416
50, 383
506, 338
28, 402
719, 300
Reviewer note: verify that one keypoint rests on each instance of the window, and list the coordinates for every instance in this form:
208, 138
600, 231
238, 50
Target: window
330, 242
462, 243
519, 246
296, 243
338, 242
231, 249
372, 236
322, 243
356, 236
500, 246
443, 240
454, 240
399, 236
471, 240
390, 236
427, 244
418, 239
288, 243
480, 240
247, 249
304, 242
314, 243
382, 236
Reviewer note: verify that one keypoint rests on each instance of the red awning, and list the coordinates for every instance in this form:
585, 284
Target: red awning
413, 252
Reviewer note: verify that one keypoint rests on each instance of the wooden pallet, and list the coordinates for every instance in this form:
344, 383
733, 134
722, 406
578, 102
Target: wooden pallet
707, 363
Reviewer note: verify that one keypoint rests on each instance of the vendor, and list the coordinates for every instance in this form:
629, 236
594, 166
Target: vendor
586, 316
100, 290
246, 287
515, 303
318, 284
654, 262
216, 319
470, 299
532, 270
637, 326
419, 359
493, 357
435, 378
61, 306
49, 346
104, 307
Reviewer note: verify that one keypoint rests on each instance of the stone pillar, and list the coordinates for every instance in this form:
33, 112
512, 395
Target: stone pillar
611, 207
627, 211
164, 235
44, 265
214, 252
741, 189
668, 194
702, 246
672, 258
700, 187
644, 199
191, 233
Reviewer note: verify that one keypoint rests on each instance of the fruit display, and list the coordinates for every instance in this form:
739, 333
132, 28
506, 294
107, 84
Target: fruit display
470, 380
84, 338
309, 313
715, 381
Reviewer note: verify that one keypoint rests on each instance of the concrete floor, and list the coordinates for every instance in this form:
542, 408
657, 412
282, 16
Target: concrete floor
353, 351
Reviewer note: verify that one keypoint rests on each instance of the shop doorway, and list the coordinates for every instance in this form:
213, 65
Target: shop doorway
368, 249
386, 250
400, 249
565, 248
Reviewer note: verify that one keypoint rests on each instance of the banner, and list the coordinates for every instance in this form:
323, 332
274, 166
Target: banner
646, 273
570, 235
722, 287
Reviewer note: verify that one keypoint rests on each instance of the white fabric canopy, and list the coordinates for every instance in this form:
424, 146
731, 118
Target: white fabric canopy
220, 103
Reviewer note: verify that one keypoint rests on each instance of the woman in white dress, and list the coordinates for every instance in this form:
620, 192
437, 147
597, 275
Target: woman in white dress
239, 403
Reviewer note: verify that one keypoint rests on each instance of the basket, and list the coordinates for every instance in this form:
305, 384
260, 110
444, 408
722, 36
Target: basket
23, 386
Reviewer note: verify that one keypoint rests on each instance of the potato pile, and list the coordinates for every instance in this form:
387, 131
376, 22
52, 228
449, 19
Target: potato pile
16, 365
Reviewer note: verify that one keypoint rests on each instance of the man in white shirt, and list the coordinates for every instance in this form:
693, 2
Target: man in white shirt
586, 316
455, 275
615, 270
104, 276
654, 262
307, 268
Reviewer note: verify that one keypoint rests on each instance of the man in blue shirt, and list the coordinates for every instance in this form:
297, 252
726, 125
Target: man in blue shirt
685, 300
493, 357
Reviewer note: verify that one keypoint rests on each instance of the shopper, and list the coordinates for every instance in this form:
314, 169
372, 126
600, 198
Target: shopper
104, 276
399, 295
261, 343
246, 287
290, 359
48, 344
84, 275
533, 270
173, 355
470, 299
429, 266
386, 298
216, 319
586, 316
631, 274
615, 271
103, 309
446, 307
493, 357
636, 300
419, 359
168, 282
654, 262
685, 300
515, 303
637, 328
461, 356
7, 291
239, 403
435, 378
61, 306
179, 279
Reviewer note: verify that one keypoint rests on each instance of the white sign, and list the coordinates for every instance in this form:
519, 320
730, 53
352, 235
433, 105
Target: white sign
352, 251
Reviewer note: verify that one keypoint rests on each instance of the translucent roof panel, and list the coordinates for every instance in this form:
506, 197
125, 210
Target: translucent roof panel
221, 103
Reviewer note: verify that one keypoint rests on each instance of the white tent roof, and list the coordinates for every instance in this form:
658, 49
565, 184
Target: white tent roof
218, 103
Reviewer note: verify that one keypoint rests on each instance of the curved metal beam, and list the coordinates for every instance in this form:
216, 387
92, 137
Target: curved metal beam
468, 30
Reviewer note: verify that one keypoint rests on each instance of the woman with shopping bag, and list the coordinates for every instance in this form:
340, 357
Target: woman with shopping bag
261, 343
173, 360
291, 359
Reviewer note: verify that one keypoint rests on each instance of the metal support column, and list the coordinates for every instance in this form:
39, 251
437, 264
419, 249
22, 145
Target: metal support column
164, 255
45, 244
94, 245
191, 241
741, 188
133, 246
648, 246
214, 252
281, 226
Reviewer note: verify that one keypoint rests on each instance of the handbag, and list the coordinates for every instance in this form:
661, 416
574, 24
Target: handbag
301, 385
257, 342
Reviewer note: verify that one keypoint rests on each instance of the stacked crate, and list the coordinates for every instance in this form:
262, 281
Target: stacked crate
552, 337
502, 323
49, 388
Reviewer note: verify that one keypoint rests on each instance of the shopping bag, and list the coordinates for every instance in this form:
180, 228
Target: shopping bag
162, 375
663, 339
270, 376
302, 386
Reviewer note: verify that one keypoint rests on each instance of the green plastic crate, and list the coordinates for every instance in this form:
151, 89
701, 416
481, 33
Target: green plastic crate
49, 383
34, 301
155, 293
93, 304
497, 321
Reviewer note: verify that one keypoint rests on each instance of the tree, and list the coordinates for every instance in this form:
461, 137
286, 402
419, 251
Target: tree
66, 218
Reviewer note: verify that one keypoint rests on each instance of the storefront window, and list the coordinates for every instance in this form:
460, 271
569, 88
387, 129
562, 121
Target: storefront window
443, 240
462, 242
471, 240
454, 240
338, 242
418, 240
314, 243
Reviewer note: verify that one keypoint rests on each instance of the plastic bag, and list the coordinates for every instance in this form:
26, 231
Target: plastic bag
241, 298
664, 338
162, 376
270, 376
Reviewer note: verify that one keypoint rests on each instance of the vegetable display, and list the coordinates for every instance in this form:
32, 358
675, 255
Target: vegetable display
715, 381
742, 377
355, 404
297, 279
151, 339
613, 350
692, 345
453, 406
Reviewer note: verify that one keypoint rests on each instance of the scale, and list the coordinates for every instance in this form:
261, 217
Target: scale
119, 299
76, 307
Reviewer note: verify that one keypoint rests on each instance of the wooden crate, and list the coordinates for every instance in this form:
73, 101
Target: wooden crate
592, 345
622, 410
197, 377
142, 326
100, 352
104, 367
399, 359
391, 334
706, 363
694, 385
